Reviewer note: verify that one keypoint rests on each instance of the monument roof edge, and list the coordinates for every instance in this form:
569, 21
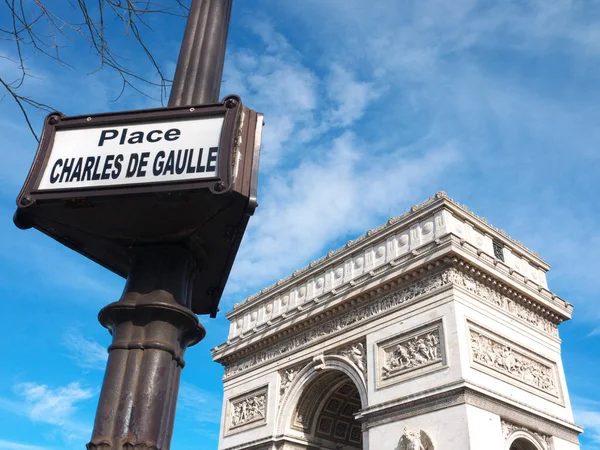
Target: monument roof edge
440, 198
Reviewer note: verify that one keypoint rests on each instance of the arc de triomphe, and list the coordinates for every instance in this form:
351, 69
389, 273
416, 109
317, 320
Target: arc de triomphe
433, 331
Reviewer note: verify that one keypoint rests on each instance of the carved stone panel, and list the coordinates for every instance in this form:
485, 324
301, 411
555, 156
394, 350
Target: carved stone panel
356, 353
247, 411
509, 428
410, 354
498, 299
341, 322
512, 363
286, 378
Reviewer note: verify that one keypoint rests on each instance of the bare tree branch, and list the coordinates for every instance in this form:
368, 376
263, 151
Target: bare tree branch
38, 28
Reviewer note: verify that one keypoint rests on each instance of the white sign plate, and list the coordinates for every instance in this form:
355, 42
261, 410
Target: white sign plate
159, 152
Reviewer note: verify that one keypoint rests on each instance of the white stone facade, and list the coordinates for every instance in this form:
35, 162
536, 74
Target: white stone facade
434, 331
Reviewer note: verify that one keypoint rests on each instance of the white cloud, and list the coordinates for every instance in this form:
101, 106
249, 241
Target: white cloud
422, 77
56, 407
279, 85
587, 415
198, 405
86, 353
339, 193
318, 181
348, 97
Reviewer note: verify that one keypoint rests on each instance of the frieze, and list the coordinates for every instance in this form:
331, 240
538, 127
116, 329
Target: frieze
507, 359
392, 300
508, 428
341, 322
409, 354
249, 409
502, 301
418, 351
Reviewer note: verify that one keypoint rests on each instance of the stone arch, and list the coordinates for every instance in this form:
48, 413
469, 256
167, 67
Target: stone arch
331, 371
523, 440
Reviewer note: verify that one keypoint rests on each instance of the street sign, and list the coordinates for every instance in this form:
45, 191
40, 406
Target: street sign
141, 153
132, 151
101, 184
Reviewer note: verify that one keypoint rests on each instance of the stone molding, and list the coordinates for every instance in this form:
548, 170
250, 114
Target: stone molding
382, 252
459, 393
440, 197
496, 293
409, 354
489, 291
503, 359
308, 406
341, 322
523, 305
247, 410
355, 353
296, 402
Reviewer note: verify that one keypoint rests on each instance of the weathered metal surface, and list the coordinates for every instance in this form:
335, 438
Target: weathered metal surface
151, 325
200, 64
208, 216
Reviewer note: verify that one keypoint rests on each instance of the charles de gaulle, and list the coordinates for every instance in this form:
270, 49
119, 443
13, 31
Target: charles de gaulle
113, 166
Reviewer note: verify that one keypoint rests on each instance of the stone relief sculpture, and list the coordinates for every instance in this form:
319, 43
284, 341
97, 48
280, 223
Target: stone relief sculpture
357, 354
287, 376
412, 440
508, 428
388, 302
339, 323
415, 352
505, 359
502, 301
248, 410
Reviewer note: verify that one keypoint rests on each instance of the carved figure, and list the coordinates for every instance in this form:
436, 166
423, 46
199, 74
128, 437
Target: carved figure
413, 353
287, 377
505, 359
248, 410
388, 302
412, 440
357, 354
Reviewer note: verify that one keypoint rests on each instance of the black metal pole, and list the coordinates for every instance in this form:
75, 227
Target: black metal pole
152, 323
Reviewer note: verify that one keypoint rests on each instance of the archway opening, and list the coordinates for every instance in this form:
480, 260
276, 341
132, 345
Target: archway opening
325, 412
523, 444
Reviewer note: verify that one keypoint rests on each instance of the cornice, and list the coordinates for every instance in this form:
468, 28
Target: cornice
326, 319
511, 282
465, 392
528, 310
450, 251
394, 224
382, 279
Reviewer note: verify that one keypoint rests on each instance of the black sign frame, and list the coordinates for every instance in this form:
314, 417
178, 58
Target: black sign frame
230, 109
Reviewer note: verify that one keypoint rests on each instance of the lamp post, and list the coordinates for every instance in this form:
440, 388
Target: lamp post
152, 323
161, 197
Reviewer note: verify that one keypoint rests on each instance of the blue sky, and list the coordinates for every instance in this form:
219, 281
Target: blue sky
370, 107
